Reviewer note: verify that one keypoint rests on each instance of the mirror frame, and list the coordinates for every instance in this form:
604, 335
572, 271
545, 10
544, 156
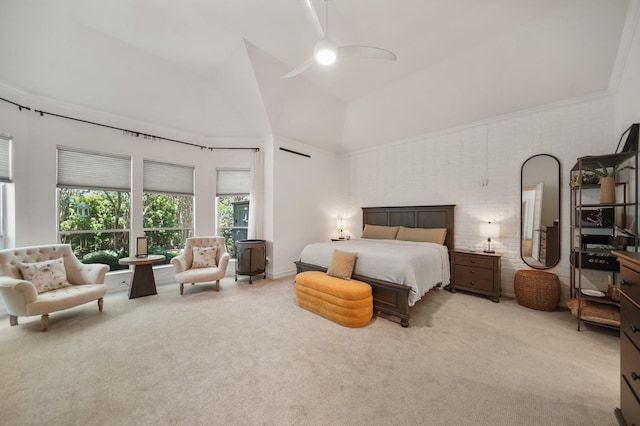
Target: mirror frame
522, 169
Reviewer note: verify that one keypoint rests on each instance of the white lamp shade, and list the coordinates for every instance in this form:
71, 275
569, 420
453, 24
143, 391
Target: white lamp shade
490, 230
340, 223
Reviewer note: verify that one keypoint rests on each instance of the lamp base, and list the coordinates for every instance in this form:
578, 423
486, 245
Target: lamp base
488, 251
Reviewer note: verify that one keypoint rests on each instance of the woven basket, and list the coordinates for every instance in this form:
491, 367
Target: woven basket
537, 289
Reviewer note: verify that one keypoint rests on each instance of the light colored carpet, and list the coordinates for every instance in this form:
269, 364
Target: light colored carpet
249, 355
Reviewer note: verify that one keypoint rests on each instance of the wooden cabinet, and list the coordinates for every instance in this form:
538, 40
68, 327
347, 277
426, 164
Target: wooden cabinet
629, 411
476, 272
549, 237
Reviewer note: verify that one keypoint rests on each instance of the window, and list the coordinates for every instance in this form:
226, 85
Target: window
232, 191
167, 207
5, 176
94, 205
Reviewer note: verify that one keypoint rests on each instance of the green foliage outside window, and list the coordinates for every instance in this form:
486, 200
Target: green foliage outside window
108, 218
102, 235
168, 222
226, 226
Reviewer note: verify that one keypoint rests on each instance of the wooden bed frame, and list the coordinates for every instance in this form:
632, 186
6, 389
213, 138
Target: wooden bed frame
391, 298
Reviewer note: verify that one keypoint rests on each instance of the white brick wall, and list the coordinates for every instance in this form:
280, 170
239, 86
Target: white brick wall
448, 168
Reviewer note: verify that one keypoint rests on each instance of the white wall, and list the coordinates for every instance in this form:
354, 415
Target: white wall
451, 168
628, 90
307, 196
32, 196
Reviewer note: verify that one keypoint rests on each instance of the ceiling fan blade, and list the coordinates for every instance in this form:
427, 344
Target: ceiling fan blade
315, 18
300, 68
366, 52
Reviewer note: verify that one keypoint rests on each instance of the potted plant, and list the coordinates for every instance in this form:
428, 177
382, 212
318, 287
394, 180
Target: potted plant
608, 181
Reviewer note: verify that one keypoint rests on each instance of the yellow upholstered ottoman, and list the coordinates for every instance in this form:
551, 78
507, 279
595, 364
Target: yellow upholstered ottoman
347, 302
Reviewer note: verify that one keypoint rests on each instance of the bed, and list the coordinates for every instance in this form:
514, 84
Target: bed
405, 278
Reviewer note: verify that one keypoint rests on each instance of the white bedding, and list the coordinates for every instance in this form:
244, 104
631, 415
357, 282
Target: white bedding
420, 266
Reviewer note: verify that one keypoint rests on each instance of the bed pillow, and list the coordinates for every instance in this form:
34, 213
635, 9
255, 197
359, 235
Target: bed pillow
204, 257
426, 235
46, 276
342, 263
380, 232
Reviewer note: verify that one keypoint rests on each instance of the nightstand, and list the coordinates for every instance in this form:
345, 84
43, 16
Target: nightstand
476, 272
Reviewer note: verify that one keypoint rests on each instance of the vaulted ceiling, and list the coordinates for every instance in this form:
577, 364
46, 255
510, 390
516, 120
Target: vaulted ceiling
215, 67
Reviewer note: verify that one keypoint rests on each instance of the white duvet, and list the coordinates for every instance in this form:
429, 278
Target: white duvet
420, 266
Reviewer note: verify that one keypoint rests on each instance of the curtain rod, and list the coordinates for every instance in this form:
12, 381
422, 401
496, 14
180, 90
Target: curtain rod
13, 103
295, 152
128, 132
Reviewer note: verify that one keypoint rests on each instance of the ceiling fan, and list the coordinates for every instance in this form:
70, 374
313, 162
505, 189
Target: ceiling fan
326, 52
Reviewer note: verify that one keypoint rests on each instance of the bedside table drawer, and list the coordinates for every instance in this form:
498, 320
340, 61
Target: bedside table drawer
475, 261
474, 277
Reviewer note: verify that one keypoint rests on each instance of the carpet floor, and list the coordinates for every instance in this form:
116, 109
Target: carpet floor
248, 355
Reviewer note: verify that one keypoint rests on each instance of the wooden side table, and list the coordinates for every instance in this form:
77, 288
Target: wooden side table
476, 272
143, 283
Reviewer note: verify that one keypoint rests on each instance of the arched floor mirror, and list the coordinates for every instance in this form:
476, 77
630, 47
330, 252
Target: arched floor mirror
540, 211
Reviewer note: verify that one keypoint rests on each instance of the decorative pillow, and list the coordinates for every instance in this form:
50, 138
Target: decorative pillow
46, 276
342, 263
426, 235
204, 257
380, 232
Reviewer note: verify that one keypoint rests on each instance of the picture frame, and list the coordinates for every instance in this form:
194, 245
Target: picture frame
142, 247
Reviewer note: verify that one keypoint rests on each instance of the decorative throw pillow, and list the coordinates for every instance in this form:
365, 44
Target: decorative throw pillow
342, 263
380, 232
46, 276
427, 235
204, 257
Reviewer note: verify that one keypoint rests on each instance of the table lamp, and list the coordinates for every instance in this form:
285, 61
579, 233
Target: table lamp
490, 229
340, 225
141, 247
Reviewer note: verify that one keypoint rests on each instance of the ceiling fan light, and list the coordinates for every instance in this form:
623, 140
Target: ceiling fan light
325, 52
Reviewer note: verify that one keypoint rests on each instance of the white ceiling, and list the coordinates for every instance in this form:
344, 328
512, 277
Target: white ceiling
214, 67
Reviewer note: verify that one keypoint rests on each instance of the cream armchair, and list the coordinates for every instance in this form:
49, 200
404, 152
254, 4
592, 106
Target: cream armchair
21, 297
203, 271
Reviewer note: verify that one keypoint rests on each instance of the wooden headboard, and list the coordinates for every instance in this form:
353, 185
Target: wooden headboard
414, 217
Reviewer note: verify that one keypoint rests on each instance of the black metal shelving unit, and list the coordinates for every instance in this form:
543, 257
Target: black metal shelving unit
597, 229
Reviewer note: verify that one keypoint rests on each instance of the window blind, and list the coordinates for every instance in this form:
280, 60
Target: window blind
167, 178
233, 182
5, 158
83, 169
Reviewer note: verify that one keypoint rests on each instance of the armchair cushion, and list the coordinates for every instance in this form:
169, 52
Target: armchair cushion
46, 276
204, 257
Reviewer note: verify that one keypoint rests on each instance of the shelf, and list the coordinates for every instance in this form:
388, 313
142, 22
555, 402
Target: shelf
588, 250
604, 300
607, 160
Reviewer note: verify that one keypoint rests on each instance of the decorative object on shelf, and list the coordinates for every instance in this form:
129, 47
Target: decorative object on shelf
141, 247
613, 292
593, 293
490, 229
585, 179
340, 225
608, 180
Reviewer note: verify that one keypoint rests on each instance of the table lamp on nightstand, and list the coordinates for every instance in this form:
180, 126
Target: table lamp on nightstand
340, 225
490, 229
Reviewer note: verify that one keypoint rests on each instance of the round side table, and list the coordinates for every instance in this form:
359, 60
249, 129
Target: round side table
143, 283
